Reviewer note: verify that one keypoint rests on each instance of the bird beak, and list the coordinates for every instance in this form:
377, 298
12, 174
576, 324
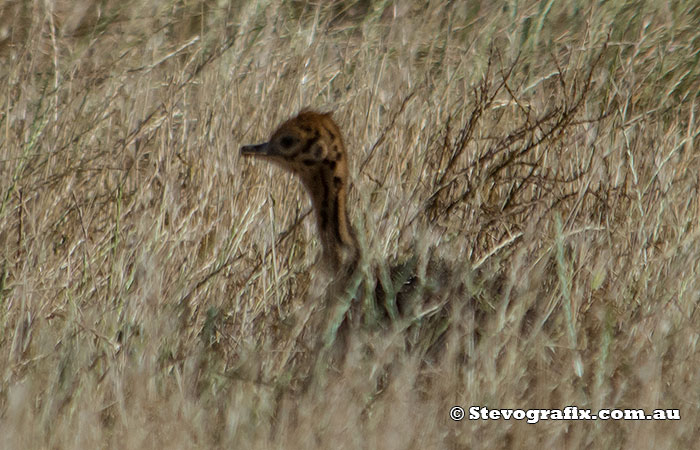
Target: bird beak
256, 150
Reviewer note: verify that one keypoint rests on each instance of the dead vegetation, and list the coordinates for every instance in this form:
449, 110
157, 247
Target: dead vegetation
151, 298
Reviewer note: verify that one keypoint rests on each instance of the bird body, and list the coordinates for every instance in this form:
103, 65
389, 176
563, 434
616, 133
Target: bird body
415, 291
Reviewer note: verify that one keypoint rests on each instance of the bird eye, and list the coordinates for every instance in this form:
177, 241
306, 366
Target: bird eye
287, 141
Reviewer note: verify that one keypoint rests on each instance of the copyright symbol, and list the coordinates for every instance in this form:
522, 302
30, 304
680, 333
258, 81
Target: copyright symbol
456, 413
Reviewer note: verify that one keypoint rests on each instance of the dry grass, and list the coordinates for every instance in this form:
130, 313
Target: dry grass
153, 285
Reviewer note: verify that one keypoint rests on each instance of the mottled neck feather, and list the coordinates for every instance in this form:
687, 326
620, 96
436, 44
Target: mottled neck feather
329, 198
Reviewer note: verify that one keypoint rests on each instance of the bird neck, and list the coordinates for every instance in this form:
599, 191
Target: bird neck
328, 193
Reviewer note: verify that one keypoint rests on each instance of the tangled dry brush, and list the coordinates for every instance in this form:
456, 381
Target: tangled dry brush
154, 286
